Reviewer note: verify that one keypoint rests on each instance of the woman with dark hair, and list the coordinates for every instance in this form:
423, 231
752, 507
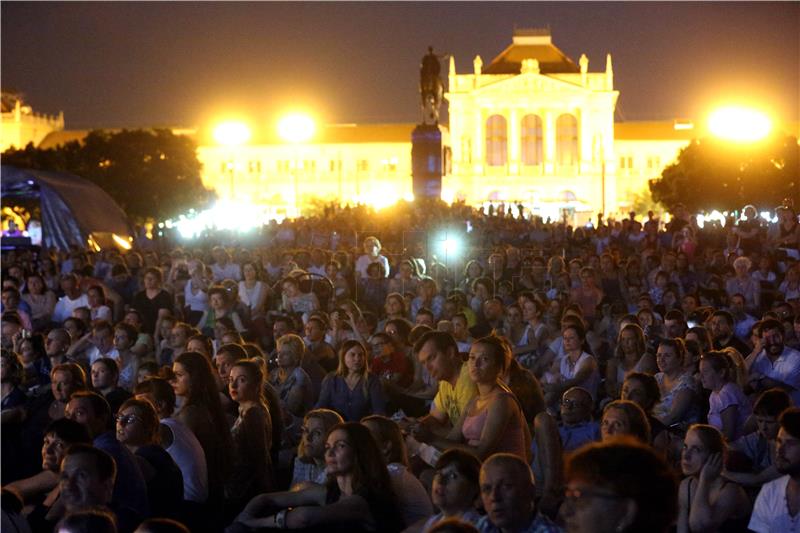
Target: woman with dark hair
352, 390
631, 355
455, 488
492, 421
201, 412
138, 430
619, 486
406, 279
152, 301
201, 344
309, 465
358, 495
577, 368
252, 471
707, 501
41, 300
395, 308
219, 306
412, 498
623, 417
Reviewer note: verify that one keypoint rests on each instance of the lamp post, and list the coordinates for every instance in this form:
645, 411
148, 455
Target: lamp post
296, 129
232, 134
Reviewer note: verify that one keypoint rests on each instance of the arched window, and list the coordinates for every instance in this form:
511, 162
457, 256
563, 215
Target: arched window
496, 141
531, 131
567, 140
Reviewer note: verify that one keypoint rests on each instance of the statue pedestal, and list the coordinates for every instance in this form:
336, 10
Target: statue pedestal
427, 161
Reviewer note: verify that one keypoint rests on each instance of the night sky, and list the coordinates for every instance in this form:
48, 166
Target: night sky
187, 64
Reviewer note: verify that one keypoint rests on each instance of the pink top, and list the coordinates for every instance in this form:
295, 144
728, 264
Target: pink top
513, 435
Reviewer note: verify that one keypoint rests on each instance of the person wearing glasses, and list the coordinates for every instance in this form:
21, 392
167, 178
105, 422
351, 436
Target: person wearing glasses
93, 412
138, 429
390, 365
619, 486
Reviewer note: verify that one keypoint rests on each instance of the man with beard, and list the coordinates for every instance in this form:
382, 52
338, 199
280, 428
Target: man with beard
776, 365
721, 325
777, 507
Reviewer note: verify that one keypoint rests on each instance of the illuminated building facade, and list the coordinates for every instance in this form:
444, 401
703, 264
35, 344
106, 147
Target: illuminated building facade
20, 125
531, 127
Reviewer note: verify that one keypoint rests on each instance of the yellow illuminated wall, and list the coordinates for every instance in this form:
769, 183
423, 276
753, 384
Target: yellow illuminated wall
20, 125
533, 136
377, 173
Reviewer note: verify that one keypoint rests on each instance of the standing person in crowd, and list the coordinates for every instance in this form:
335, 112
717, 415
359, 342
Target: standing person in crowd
729, 408
153, 301
352, 391
358, 493
202, 413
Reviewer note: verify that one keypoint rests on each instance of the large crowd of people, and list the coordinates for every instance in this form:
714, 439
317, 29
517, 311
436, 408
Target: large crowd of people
431, 368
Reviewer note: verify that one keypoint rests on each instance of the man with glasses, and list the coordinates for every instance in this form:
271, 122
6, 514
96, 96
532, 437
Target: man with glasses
392, 367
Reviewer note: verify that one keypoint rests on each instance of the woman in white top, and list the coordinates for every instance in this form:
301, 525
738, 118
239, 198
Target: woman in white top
252, 291
372, 254
196, 297
576, 369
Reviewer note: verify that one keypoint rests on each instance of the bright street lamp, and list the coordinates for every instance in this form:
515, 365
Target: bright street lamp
232, 133
296, 128
739, 124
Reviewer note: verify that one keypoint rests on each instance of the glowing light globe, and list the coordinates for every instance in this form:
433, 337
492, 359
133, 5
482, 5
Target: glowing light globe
739, 124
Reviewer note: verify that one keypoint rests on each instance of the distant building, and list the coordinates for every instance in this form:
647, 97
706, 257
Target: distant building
20, 125
532, 127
